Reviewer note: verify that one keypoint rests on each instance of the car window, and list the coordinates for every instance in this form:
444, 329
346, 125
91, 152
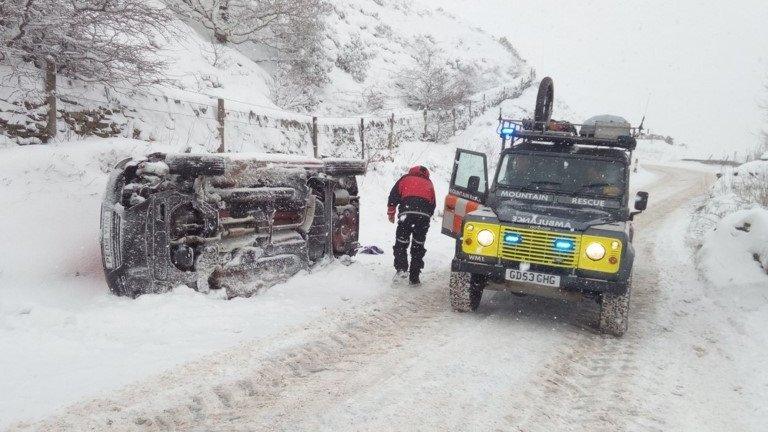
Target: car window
470, 165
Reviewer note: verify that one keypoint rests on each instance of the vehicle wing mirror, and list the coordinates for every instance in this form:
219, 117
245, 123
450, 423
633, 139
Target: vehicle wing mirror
641, 201
473, 184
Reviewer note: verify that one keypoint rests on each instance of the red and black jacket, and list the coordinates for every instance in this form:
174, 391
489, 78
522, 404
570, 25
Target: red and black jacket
413, 193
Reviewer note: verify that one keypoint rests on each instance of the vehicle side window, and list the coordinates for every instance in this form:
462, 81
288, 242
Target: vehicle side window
470, 165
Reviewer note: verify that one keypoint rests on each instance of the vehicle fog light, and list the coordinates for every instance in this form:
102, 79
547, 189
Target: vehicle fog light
595, 251
470, 227
485, 238
615, 245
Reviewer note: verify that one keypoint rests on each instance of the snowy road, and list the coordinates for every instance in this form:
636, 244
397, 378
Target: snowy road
404, 361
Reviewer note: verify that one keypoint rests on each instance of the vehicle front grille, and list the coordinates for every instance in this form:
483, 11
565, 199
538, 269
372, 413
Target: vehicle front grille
539, 246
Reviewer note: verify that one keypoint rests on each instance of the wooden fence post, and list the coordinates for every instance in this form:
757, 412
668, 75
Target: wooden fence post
222, 114
425, 125
453, 113
314, 137
362, 138
391, 137
50, 90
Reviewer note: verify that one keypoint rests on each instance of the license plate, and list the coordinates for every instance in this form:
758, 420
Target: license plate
533, 277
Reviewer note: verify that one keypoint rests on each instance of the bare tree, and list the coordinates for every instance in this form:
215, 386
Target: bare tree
104, 41
431, 82
266, 22
290, 32
290, 94
354, 58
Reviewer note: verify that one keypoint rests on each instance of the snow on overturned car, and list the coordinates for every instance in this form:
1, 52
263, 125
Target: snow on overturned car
237, 222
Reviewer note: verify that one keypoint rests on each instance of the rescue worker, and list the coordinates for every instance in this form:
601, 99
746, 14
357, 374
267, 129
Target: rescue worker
413, 197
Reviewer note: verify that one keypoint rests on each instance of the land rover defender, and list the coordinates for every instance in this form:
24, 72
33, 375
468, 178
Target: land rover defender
555, 220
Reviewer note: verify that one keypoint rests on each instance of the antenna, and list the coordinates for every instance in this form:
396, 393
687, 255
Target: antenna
645, 112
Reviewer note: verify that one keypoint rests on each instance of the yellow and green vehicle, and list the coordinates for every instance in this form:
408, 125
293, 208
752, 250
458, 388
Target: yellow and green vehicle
555, 220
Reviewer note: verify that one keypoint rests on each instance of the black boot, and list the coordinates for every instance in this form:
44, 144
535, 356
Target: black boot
413, 279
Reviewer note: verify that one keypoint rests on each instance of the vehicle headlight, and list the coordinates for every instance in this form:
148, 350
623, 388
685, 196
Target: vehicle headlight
595, 251
485, 237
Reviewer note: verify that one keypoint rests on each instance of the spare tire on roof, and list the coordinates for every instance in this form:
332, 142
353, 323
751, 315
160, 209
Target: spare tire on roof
544, 100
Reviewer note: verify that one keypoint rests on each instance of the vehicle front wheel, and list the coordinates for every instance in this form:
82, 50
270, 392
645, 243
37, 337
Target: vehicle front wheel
465, 291
614, 313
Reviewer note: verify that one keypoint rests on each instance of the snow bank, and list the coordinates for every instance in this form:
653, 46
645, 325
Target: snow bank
731, 228
736, 252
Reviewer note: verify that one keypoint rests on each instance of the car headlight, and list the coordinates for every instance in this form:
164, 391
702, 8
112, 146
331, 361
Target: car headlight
485, 238
595, 251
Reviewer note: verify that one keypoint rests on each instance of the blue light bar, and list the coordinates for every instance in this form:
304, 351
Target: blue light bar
564, 245
506, 129
507, 132
513, 238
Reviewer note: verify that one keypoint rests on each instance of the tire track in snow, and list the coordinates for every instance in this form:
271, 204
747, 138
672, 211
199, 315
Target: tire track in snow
172, 403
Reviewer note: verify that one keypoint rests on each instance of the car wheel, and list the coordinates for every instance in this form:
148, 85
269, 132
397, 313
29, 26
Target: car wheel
614, 313
544, 100
465, 292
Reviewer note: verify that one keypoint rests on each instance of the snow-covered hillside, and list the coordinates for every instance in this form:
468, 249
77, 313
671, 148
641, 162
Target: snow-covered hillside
183, 110
388, 29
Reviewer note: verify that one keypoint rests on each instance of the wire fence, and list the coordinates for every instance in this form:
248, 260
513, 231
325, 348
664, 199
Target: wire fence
228, 124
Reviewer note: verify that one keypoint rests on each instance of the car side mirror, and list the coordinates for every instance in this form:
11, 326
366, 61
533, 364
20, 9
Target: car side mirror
641, 201
473, 184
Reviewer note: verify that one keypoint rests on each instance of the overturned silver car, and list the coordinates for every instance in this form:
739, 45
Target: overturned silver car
233, 222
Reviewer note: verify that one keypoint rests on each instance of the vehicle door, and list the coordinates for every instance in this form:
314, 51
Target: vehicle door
468, 189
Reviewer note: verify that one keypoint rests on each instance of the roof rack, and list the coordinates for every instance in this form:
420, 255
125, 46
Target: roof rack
528, 131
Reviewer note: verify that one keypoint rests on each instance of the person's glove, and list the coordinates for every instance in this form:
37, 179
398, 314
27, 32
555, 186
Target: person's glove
391, 214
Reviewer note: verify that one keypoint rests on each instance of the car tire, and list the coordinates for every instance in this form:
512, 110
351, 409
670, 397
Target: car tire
544, 100
614, 313
465, 292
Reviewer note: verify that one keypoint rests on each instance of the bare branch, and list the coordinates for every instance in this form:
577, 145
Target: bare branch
106, 41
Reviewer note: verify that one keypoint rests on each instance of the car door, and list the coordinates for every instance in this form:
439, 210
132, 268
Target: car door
468, 189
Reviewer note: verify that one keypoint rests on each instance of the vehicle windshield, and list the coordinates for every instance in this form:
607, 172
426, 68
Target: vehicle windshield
553, 173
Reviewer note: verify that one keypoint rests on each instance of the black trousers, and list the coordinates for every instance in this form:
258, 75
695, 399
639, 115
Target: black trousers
411, 229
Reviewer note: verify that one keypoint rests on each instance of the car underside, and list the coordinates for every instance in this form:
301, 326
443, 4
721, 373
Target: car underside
237, 223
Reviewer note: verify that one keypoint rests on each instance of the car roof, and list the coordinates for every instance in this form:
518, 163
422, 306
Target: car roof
576, 150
